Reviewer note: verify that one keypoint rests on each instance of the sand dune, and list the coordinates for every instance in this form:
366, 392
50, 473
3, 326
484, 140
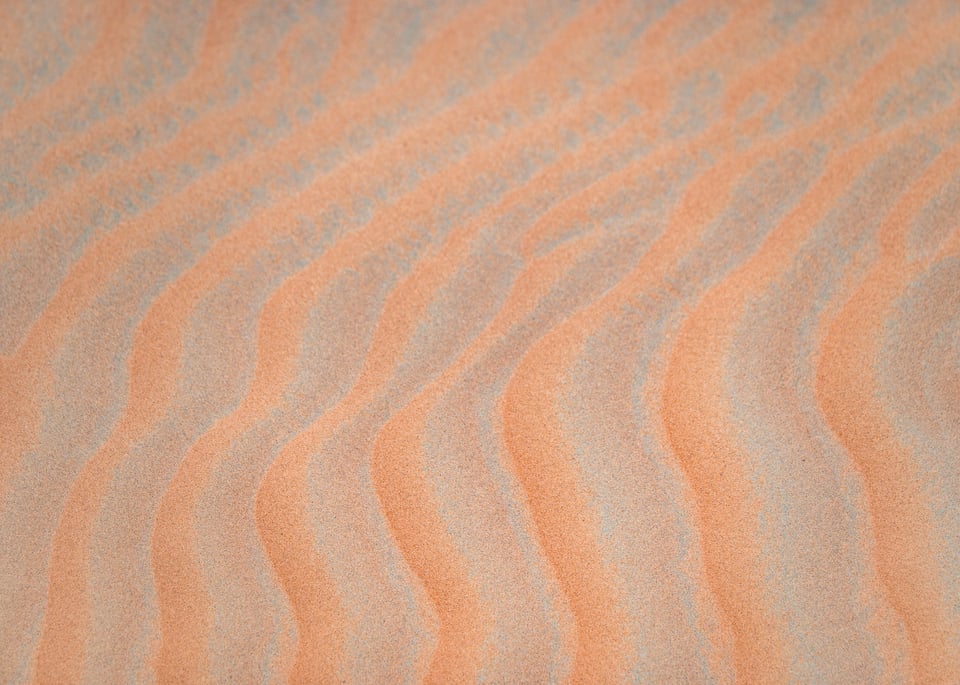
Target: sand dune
398, 341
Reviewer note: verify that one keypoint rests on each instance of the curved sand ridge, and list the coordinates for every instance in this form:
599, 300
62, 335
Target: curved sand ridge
509, 342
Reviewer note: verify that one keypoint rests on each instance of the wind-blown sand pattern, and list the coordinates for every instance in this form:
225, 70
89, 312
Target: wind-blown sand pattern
398, 341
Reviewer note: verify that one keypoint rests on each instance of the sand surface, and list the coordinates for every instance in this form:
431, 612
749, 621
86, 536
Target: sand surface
540, 341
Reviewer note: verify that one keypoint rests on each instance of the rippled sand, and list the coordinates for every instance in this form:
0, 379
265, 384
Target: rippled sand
510, 342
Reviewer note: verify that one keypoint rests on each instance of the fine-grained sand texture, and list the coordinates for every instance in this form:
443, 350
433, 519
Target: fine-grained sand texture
510, 341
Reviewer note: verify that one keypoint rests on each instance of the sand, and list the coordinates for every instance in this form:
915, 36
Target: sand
397, 341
